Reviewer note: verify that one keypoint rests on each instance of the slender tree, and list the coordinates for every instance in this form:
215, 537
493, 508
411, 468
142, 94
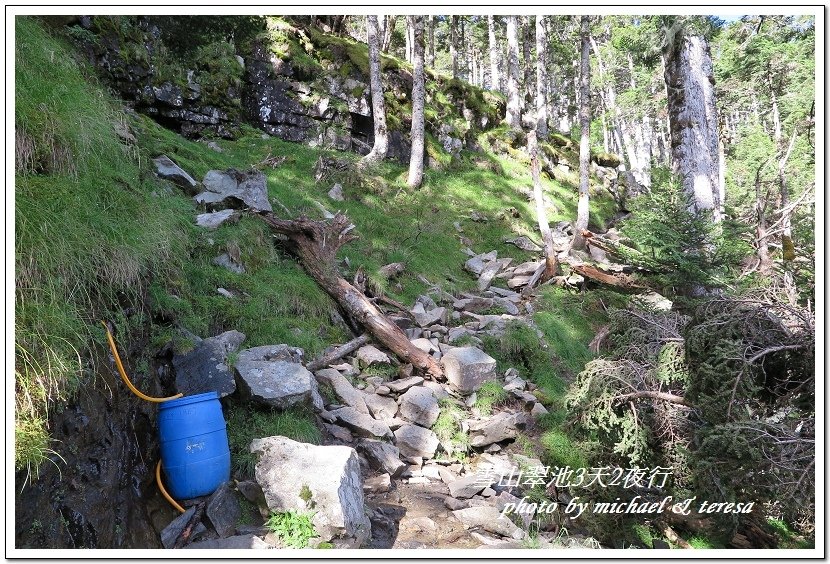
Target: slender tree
541, 78
453, 48
551, 263
430, 53
527, 92
514, 104
693, 118
495, 83
416, 161
585, 130
388, 31
381, 145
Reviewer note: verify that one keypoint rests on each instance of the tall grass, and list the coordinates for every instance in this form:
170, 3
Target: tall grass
89, 232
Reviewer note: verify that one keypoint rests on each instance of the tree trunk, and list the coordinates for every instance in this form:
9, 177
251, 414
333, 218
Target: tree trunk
764, 261
388, 30
453, 51
316, 244
495, 83
514, 105
416, 161
430, 54
541, 78
585, 131
527, 62
693, 121
381, 144
551, 263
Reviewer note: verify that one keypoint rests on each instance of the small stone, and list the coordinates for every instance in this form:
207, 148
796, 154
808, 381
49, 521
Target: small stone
468, 486
419, 406
223, 510
215, 219
361, 423
336, 193
538, 411
399, 386
224, 292
454, 504
368, 355
382, 456
378, 484
413, 440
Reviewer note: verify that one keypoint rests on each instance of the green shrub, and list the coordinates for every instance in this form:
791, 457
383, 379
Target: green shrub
294, 529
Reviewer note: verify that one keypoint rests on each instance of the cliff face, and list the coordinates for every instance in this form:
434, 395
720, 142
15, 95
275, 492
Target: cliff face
299, 85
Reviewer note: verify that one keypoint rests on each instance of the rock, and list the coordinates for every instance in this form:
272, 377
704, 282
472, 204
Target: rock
174, 530
301, 476
467, 368
431, 317
382, 456
454, 504
383, 391
425, 345
381, 407
378, 484
336, 193
338, 432
272, 352
476, 305
368, 355
169, 170
487, 518
477, 263
224, 292
224, 260
276, 383
524, 244
223, 510
438, 390
528, 400
413, 440
251, 491
215, 219
518, 281
500, 427
515, 383
343, 388
468, 486
249, 188
488, 492
404, 384
205, 369
419, 406
488, 274
232, 543
508, 307
361, 423
527, 268
538, 411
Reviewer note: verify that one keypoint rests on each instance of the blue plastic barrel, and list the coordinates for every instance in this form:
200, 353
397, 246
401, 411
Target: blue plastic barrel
194, 445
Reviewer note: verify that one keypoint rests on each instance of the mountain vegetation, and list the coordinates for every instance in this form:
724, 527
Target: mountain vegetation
656, 173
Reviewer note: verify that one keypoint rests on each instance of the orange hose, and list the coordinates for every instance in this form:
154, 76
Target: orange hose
123, 374
163, 491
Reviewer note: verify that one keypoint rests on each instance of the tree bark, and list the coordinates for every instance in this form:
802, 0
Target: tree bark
527, 62
495, 83
585, 130
693, 121
514, 104
338, 353
381, 145
551, 263
541, 78
764, 261
316, 244
416, 161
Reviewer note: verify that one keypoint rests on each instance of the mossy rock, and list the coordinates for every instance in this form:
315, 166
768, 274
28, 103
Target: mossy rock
606, 159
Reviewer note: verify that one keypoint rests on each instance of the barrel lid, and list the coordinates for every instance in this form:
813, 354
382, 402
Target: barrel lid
207, 396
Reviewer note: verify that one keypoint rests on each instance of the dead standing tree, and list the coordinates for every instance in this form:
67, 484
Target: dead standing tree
316, 244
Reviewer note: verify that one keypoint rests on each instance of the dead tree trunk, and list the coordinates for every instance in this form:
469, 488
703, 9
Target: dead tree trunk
316, 244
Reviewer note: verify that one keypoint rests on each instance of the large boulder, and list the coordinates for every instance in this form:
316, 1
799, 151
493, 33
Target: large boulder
276, 383
419, 406
322, 479
498, 428
205, 368
414, 441
467, 368
250, 188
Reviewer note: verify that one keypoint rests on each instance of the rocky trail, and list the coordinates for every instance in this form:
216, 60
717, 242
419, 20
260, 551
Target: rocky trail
383, 477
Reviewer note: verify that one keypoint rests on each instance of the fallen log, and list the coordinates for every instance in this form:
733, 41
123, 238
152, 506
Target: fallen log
338, 353
316, 244
622, 282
